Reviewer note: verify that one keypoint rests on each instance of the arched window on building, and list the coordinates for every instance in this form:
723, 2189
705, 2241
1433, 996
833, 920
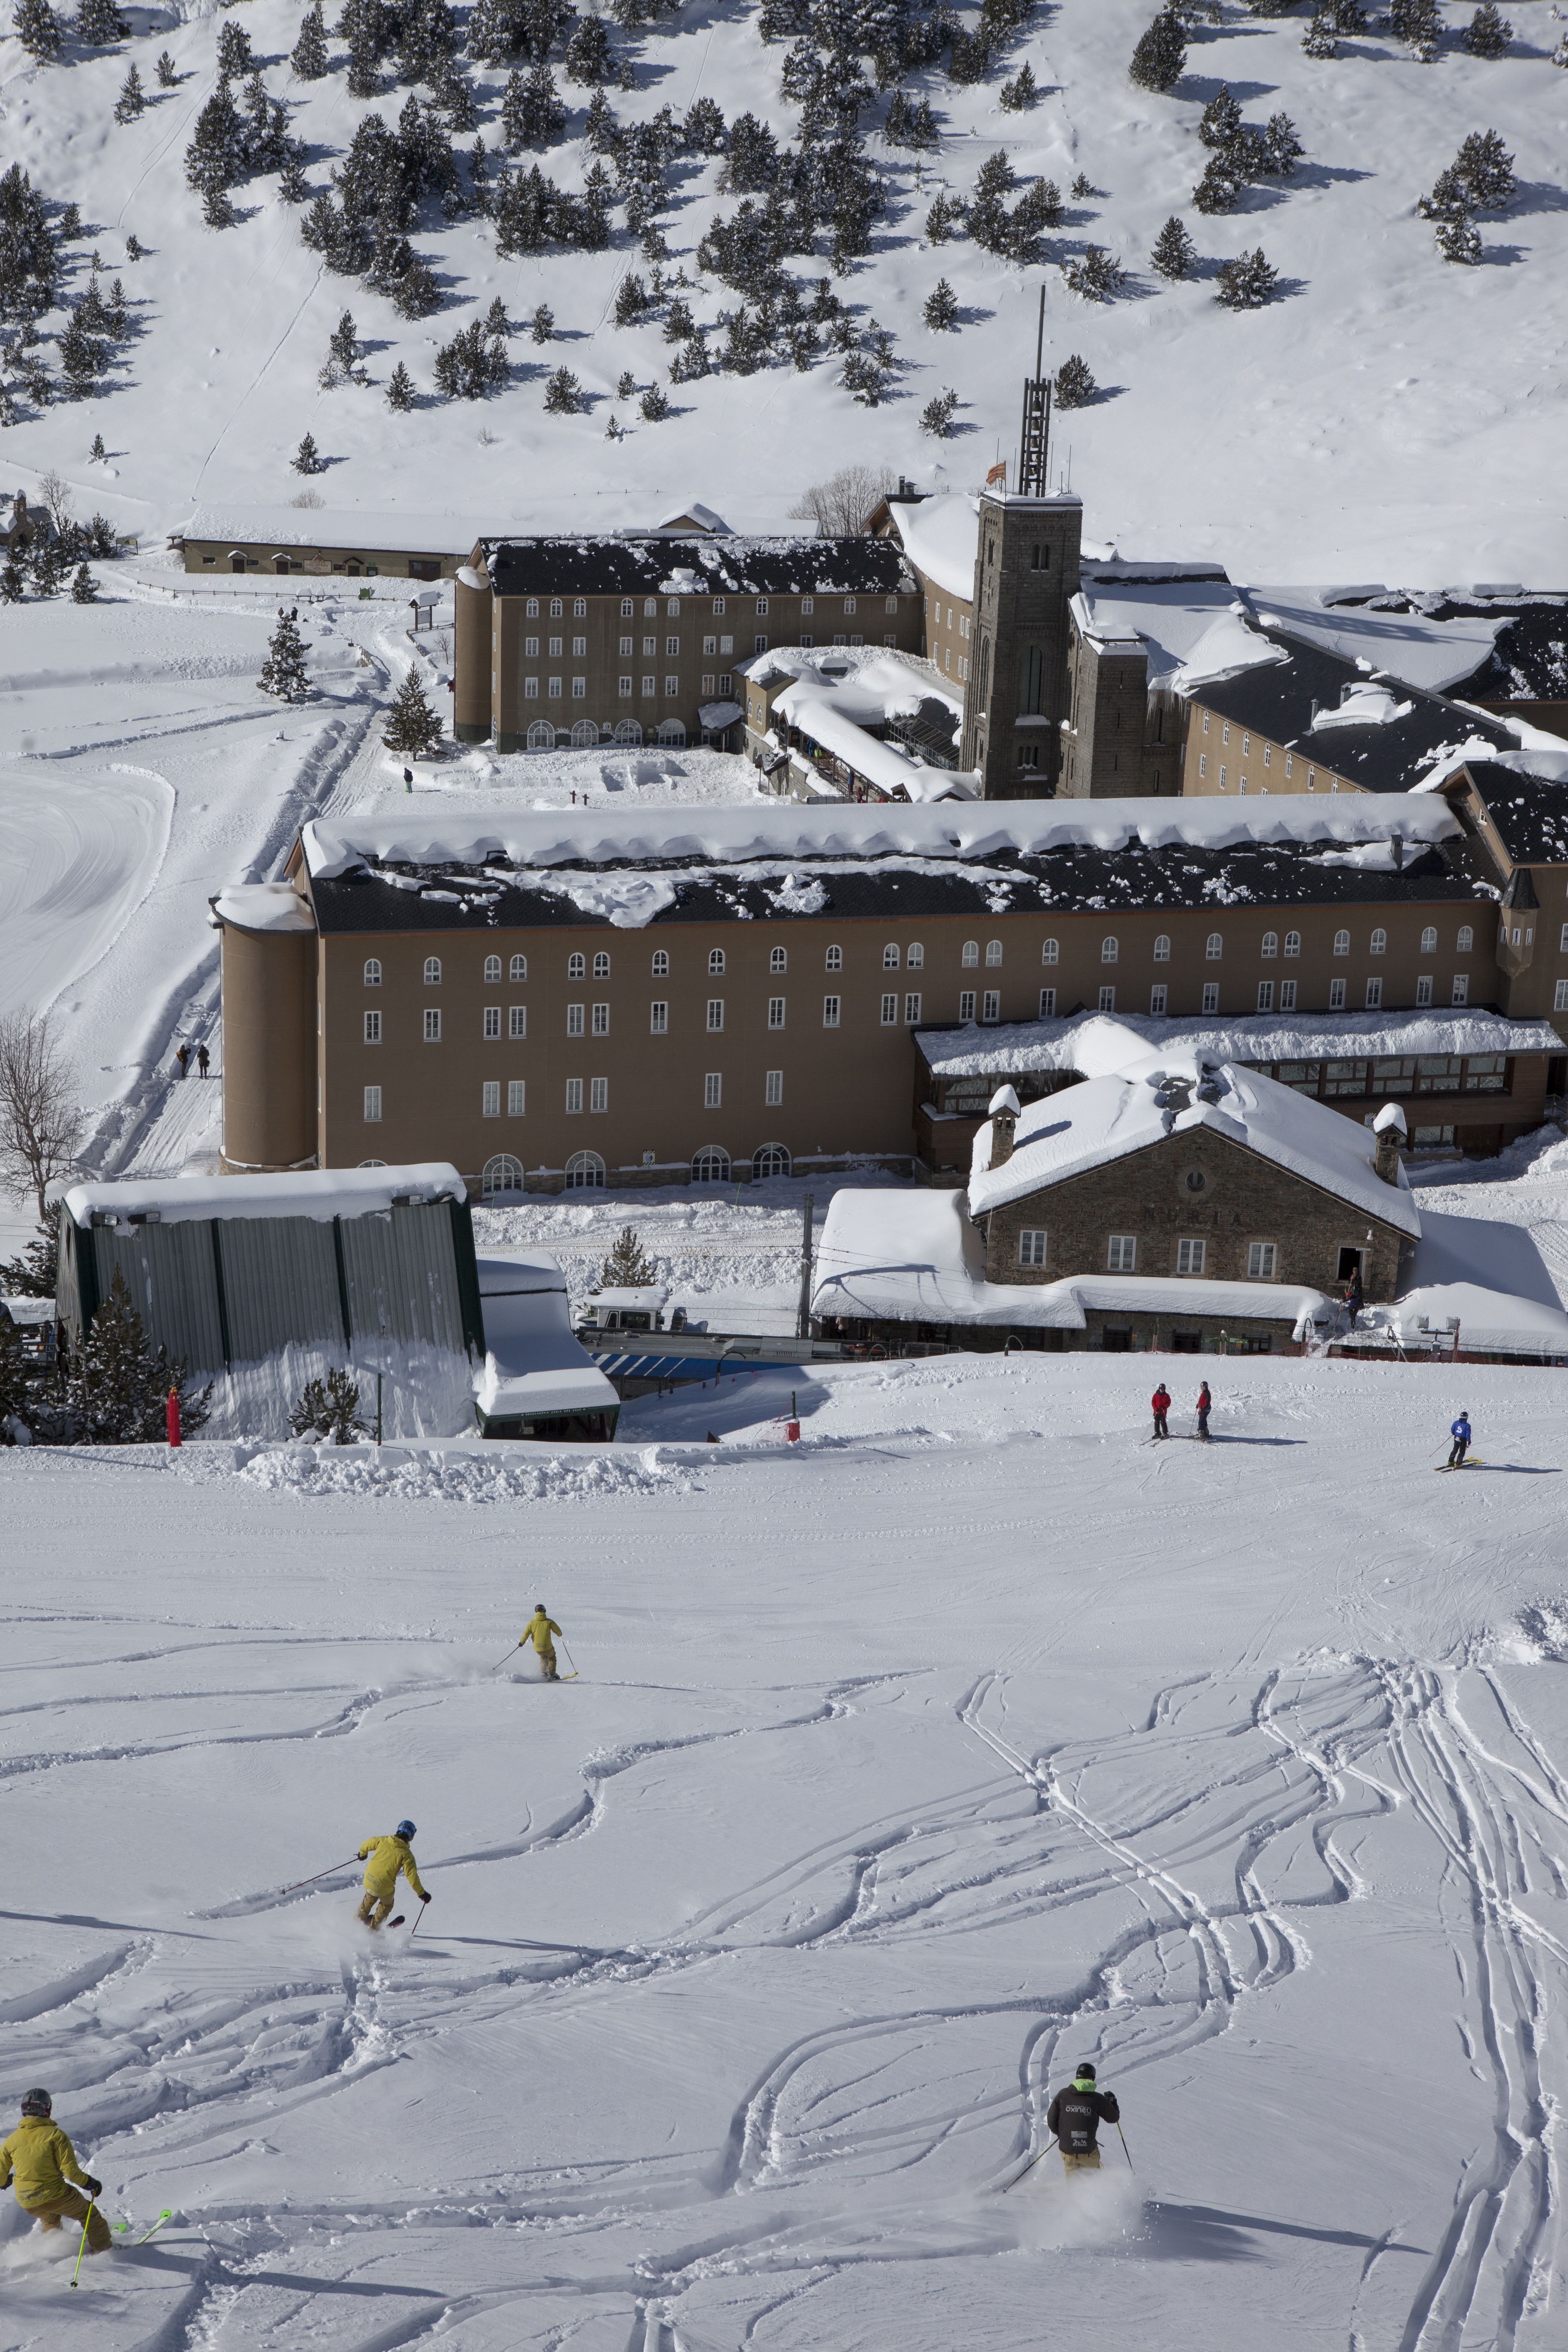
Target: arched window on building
710, 1165
584, 1172
770, 1159
502, 1174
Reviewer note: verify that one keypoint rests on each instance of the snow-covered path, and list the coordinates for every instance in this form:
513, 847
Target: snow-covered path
972, 1736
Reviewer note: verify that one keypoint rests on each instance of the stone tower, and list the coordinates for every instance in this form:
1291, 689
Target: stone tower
1025, 576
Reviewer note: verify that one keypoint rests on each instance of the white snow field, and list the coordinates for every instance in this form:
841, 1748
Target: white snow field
971, 1737
1388, 417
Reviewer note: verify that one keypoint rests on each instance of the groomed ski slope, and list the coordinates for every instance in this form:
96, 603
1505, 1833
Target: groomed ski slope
972, 1736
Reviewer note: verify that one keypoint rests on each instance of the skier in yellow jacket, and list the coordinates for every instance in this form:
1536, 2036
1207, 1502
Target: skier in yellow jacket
41, 2161
538, 1631
388, 1855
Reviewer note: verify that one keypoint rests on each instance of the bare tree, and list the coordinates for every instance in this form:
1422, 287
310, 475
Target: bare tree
840, 506
40, 1118
54, 494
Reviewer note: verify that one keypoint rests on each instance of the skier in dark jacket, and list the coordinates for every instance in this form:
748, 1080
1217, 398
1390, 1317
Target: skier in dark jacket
1160, 1402
1075, 2115
1205, 1406
1460, 1434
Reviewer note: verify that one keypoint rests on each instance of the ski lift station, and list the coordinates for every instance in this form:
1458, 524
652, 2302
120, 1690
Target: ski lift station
265, 1282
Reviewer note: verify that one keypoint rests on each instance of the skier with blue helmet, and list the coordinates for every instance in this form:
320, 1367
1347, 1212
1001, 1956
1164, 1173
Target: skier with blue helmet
388, 1857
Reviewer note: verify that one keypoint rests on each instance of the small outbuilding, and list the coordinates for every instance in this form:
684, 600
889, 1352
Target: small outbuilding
537, 1382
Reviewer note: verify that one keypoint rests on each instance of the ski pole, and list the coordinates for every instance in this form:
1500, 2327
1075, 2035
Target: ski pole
415, 1930
1126, 2151
81, 2250
570, 1660
321, 1873
500, 1662
1031, 2164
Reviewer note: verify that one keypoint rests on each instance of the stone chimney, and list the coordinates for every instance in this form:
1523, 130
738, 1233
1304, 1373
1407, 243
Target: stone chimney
1004, 1116
1388, 1127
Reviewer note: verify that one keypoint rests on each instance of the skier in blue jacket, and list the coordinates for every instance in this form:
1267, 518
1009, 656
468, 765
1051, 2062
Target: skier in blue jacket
1460, 1433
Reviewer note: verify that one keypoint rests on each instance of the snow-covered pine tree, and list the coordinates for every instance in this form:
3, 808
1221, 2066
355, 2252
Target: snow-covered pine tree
631, 299
1349, 16
1283, 148
1221, 119
1160, 53
543, 116
400, 388
37, 28
344, 343
1172, 252
84, 587
1486, 170
1014, 96
1096, 276
47, 568
968, 57
35, 1273
563, 393
82, 356
217, 209
134, 249
470, 367
329, 1410
514, 112
680, 326
1560, 54
703, 130
1419, 24
283, 672
308, 55
292, 185
936, 416
132, 99
168, 72
117, 1384
1075, 385
234, 57
542, 326
1246, 283
625, 384
412, 727
100, 24
626, 1267
588, 59
752, 157
654, 405
1320, 38
1458, 239
11, 582
216, 156
98, 453
941, 311
306, 458
1488, 32
1218, 191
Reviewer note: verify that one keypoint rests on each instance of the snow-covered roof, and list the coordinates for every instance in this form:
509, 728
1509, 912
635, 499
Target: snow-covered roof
719, 714
914, 1257
322, 1193
263, 906
834, 707
584, 563
1153, 1095
940, 536
334, 527
519, 1271
1098, 1040
1425, 652
699, 517
532, 1364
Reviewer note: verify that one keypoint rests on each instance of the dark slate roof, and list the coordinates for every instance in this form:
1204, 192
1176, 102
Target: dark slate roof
1530, 814
1077, 880
1530, 660
697, 567
1280, 699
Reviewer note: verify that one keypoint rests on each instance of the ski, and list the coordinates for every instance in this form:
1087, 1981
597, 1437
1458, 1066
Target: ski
398, 1921
1472, 1462
167, 2215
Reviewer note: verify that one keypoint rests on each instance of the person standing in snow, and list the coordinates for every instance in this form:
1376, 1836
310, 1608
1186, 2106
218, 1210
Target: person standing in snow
540, 1629
1205, 1404
41, 2162
1160, 1402
388, 1855
182, 1056
1075, 2116
1356, 1297
203, 1059
1460, 1434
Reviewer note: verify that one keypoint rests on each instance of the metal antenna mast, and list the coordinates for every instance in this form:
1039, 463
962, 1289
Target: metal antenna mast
1034, 442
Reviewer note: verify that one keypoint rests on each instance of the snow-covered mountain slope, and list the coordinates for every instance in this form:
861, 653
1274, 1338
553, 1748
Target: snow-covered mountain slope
1389, 416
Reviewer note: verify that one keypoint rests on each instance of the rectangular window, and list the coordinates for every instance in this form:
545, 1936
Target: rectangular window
966, 1005
1461, 989
1189, 1257
601, 1020
1211, 996
1203, 763
726, 679
598, 1094
1121, 1254
373, 1104
672, 648
517, 1021
1260, 1261
1287, 996
575, 1020
490, 1095
1158, 998
373, 1028
1107, 1000
658, 1017
574, 1096
1336, 996
531, 689
715, 1013
1559, 1003
1266, 997
773, 1090
830, 1011
650, 687
990, 1005
776, 1013
431, 1024
707, 684
530, 647
762, 605
890, 1012
710, 644
713, 1091
624, 688
1032, 1248
516, 1098
579, 689
1423, 990
492, 1020
912, 1011
553, 689
672, 689
1048, 1005
626, 647
1374, 995
759, 645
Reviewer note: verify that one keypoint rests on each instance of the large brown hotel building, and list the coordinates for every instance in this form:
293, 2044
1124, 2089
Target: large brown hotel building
561, 998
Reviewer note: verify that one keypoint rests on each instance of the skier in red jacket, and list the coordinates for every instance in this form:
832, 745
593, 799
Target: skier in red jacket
1161, 1401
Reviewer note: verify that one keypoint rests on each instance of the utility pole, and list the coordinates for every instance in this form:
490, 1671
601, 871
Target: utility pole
802, 1313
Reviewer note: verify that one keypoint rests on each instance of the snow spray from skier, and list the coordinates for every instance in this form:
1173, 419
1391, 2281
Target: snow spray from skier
1075, 2116
41, 2162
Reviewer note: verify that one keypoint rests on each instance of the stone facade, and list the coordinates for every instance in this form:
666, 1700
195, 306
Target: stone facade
1194, 1187
1119, 740
1027, 574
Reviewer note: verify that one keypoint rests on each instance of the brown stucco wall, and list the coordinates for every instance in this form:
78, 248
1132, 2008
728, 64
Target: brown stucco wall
473, 657
268, 981
1239, 1198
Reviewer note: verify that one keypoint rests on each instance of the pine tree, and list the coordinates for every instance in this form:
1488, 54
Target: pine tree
680, 326
1021, 91
11, 582
98, 453
1221, 119
655, 407
117, 1384
329, 1410
217, 209
1560, 54
542, 326
625, 384
84, 587
1283, 149
134, 249
305, 459
1489, 33
234, 57
82, 356
412, 727
1318, 40
38, 29
416, 292
469, 367
1417, 23
167, 71
1486, 170
283, 671
942, 309
48, 572
1247, 282
132, 98
588, 59
1097, 277
562, 393
1172, 252
1219, 191
1160, 53
34, 1275
291, 181
308, 55
1075, 386
631, 300
400, 388
936, 416
1458, 239
216, 156
100, 24
626, 1267
344, 342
